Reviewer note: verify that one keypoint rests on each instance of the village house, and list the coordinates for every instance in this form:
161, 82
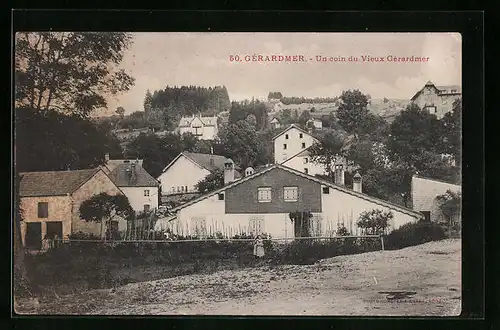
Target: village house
261, 203
204, 128
182, 174
275, 123
50, 202
424, 192
290, 142
437, 100
315, 123
141, 189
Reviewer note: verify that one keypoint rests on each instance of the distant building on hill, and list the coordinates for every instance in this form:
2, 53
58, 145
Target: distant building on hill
204, 128
437, 100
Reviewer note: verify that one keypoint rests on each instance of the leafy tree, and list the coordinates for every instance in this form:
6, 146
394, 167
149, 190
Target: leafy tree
286, 117
328, 150
136, 119
352, 111
361, 153
252, 120
51, 141
412, 132
304, 118
69, 71
374, 127
241, 143
148, 100
450, 204
274, 95
452, 132
375, 222
343, 231
120, 111
104, 208
301, 221
211, 182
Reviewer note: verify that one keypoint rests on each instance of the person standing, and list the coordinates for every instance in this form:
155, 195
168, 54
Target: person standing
258, 247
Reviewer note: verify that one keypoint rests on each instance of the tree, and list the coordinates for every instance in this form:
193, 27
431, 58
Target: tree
328, 150
104, 208
450, 204
241, 143
120, 111
252, 120
21, 280
301, 221
452, 132
375, 222
148, 100
304, 118
211, 182
352, 111
51, 141
412, 132
72, 72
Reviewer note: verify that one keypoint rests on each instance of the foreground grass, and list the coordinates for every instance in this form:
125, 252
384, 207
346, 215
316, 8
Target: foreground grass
361, 284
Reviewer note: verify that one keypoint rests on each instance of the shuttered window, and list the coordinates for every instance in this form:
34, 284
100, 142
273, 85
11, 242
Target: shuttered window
264, 195
43, 209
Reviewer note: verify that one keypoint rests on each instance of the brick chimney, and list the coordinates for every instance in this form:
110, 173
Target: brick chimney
228, 171
357, 183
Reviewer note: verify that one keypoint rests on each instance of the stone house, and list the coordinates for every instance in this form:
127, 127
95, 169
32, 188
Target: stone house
50, 202
437, 100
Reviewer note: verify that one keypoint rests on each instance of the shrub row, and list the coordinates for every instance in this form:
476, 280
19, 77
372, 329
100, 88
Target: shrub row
413, 234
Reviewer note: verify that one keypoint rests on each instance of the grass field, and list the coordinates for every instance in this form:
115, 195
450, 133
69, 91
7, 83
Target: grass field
419, 280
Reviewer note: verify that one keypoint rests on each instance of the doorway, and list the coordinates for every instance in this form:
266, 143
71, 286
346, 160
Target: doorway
33, 238
54, 228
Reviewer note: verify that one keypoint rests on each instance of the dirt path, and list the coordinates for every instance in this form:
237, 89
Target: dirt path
345, 285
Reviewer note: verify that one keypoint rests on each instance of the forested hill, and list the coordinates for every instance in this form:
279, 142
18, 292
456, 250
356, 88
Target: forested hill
188, 100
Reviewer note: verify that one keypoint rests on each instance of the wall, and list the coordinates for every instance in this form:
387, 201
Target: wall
343, 207
182, 173
137, 199
242, 198
424, 193
298, 163
59, 210
294, 144
99, 183
443, 103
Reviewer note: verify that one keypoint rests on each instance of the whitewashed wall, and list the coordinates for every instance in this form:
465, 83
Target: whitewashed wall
182, 173
137, 199
298, 163
294, 144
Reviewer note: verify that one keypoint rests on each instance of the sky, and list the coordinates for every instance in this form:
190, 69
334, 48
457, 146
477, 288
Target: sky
157, 60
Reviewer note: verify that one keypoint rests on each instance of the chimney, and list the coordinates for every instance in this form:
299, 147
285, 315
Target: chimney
339, 175
106, 157
132, 174
228, 171
357, 183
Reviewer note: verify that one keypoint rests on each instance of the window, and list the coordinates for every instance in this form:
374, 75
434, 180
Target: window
173, 189
303, 145
146, 192
286, 136
256, 225
284, 146
182, 188
178, 189
185, 188
430, 109
306, 170
306, 160
290, 194
264, 195
147, 207
198, 226
326, 190
221, 196
301, 135
427, 215
43, 209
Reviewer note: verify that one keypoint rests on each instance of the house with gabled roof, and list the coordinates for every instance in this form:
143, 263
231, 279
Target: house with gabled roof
291, 141
204, 128
141, 189
437, 100
261, 203
51, 200
182, 174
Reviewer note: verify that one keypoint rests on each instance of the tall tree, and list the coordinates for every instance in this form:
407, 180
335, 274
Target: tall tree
328, 150
120, 111
304, 118
69, 71
211, 182
352, 111
148, 100
452, 132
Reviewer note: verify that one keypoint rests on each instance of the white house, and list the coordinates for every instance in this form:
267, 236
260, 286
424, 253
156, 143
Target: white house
261, 203
290, 142
424, 192
275, 123
316, 123
205, 128
182, 174
138, 185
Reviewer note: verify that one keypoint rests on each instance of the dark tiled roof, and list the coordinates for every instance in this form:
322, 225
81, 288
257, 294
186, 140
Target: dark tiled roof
208, 161
53, 183
127, 175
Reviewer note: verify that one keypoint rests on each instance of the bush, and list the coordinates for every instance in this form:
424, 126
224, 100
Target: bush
414, 234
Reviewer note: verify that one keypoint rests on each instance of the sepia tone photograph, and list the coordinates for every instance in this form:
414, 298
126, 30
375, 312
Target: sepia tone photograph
209, 173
